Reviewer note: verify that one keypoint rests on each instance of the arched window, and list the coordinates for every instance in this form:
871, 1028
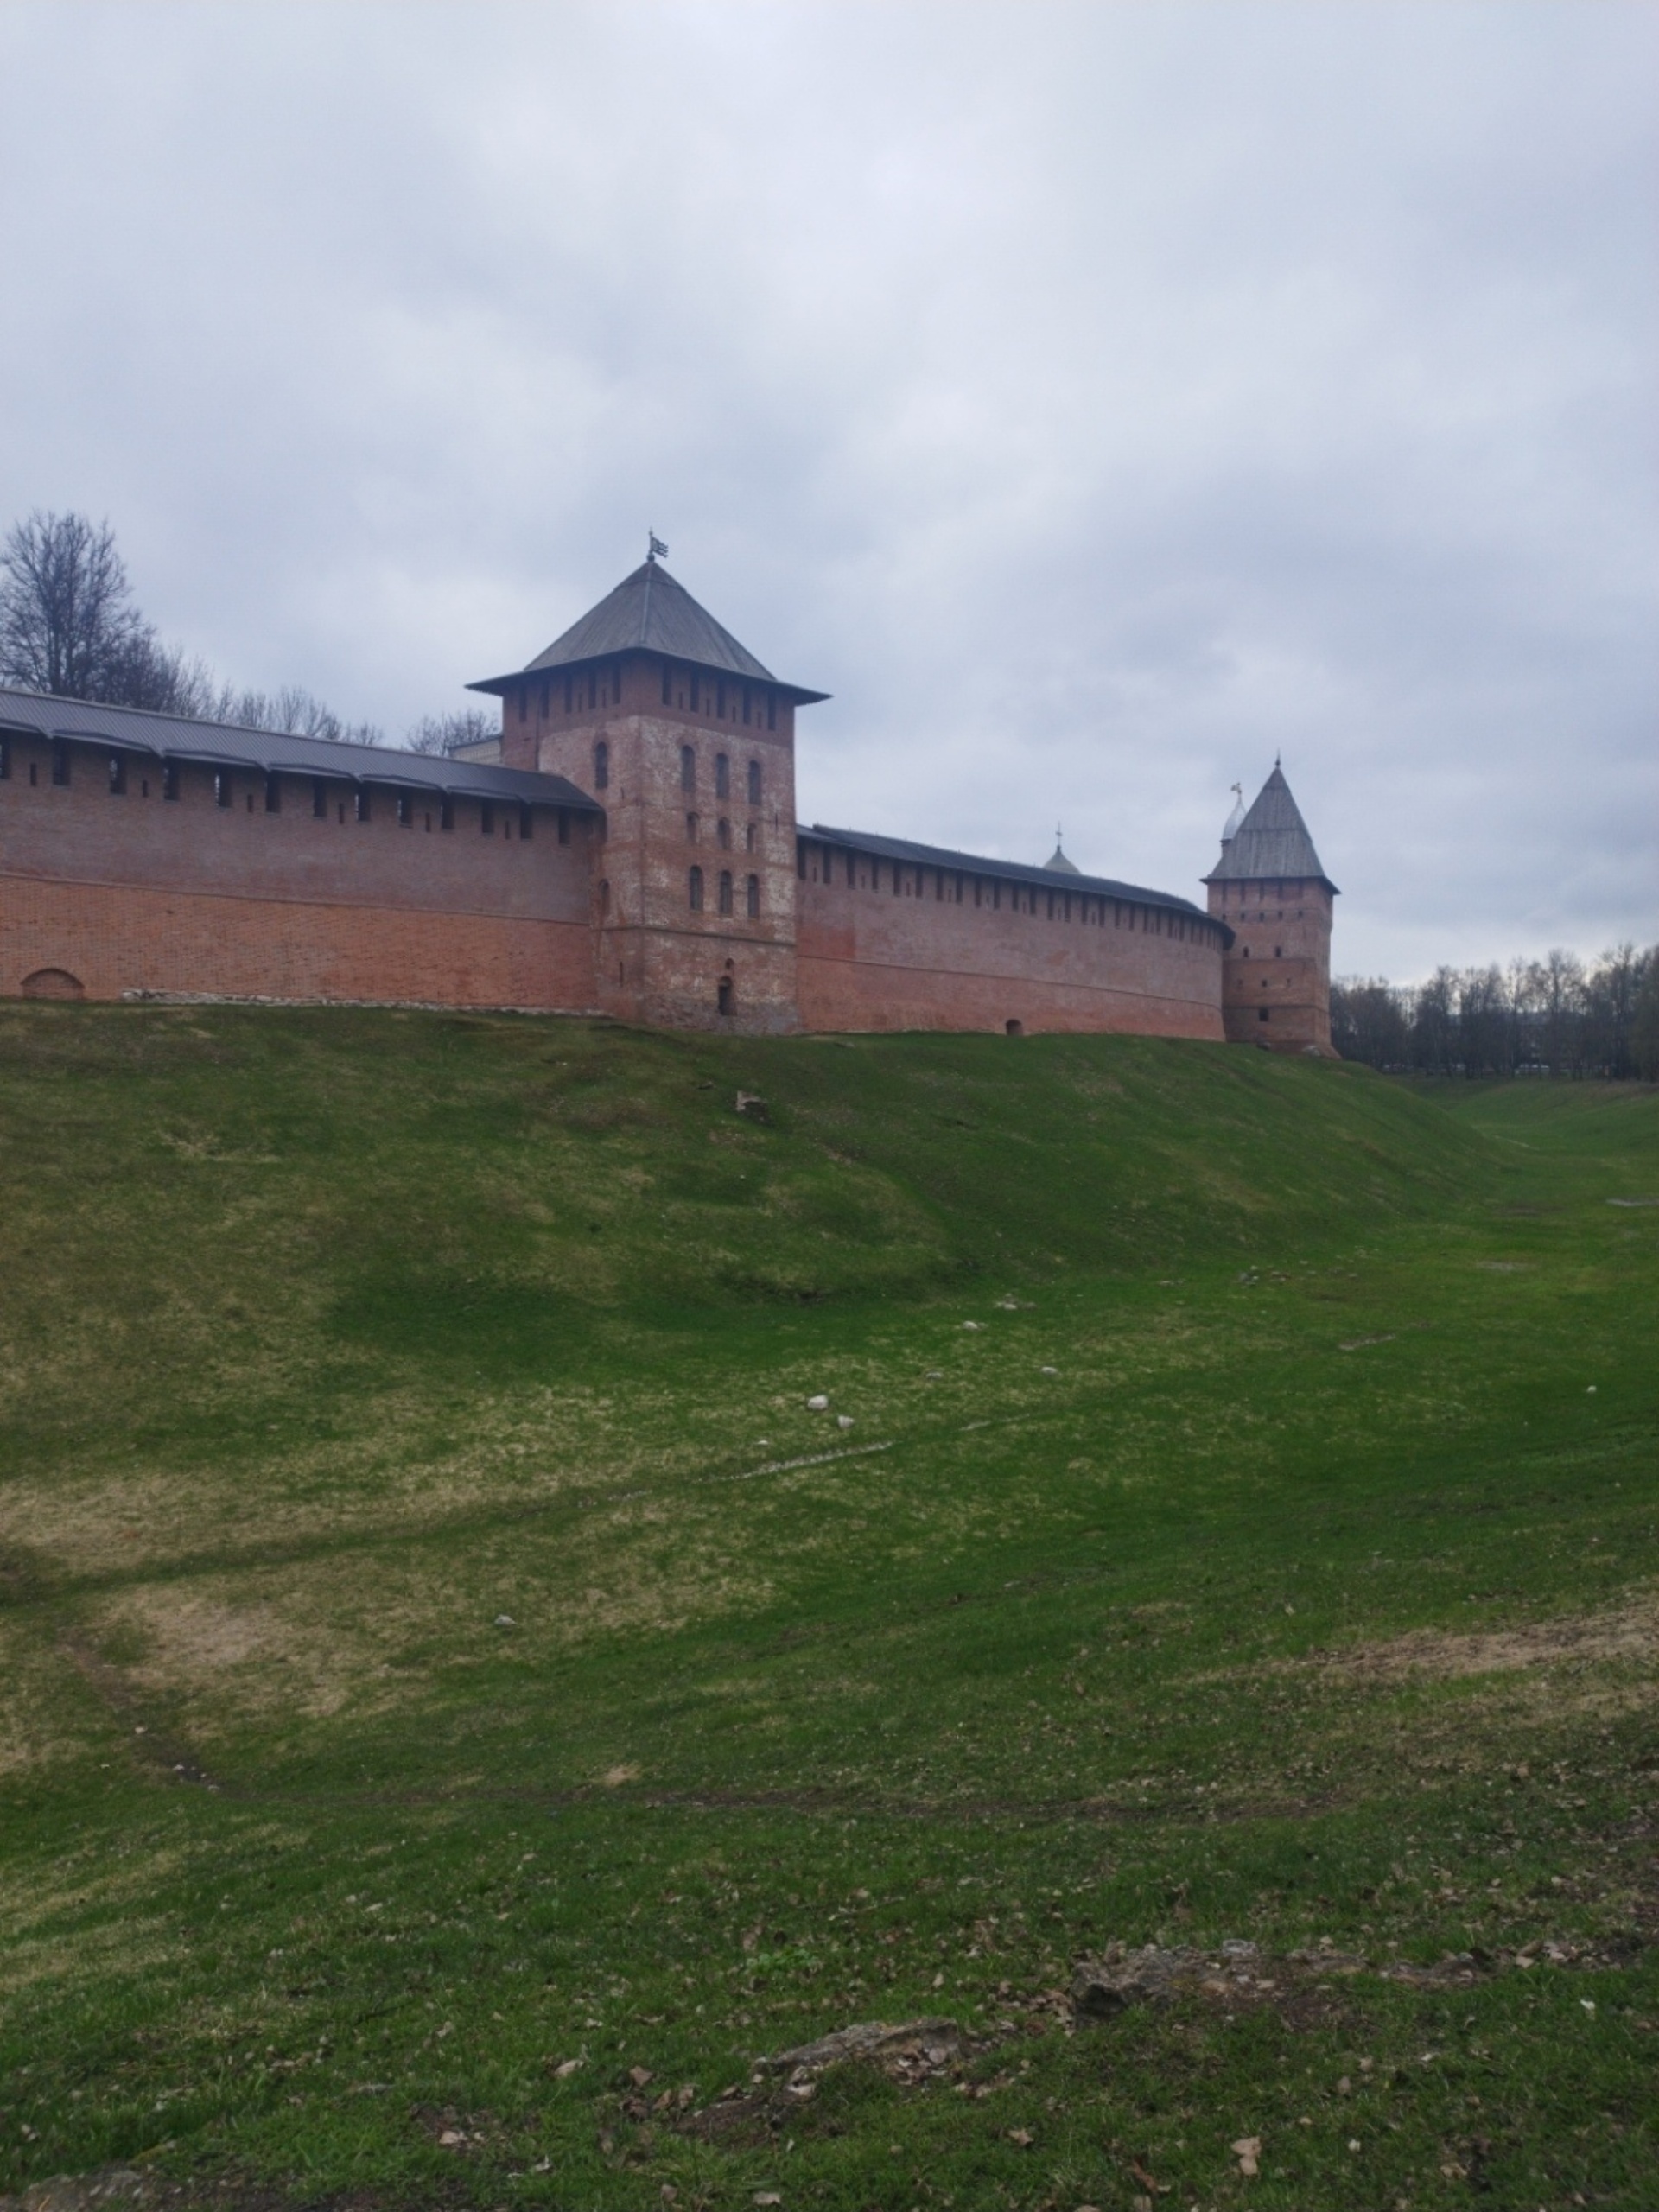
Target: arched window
753, 898
688, 767
723, 835
722, 776
691, 829
602, 766
754, 783
726, 996
695, 887
604, 899
725, 891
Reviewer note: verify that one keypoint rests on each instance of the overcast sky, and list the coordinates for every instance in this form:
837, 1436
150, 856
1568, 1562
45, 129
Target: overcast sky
1095, 399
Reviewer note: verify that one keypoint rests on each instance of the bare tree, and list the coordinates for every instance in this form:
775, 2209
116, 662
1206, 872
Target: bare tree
448, 733
67, 624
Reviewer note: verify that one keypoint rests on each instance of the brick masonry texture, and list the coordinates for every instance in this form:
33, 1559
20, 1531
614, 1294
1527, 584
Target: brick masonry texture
918, 957
138, 892
1276, 978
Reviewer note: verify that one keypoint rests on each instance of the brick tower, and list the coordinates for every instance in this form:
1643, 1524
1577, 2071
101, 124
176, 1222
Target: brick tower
1270, 890
689, 745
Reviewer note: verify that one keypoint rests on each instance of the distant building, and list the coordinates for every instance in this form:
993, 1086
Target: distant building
627, 845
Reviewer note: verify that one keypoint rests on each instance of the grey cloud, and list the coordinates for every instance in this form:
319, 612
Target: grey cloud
1095, 400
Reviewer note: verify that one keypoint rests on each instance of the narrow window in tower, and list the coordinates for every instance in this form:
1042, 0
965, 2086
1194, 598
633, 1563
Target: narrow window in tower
273, 794
725, 891
800, 859
446, 813
1261, 1013
754, 783
722, 776
486, 818
222, 793
687, 768
319, 793
723, 835
693, 884
565, 827
59, 761
1278, 952
751, 898
691, 829
749, 835
117, 776
405, 812
523, 821
771, 710
602, 766
363, 802
695, 687
668, 682
604, 899
1245, 954
720, 698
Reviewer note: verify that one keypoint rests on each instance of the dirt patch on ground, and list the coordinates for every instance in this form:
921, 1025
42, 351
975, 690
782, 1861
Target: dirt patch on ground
1630, 1632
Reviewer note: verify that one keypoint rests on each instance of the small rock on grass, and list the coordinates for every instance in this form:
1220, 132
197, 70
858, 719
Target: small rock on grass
1247, 2152
844, 1420
819, 1404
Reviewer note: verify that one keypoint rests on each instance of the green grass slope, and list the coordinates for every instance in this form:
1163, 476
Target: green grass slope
451, 1671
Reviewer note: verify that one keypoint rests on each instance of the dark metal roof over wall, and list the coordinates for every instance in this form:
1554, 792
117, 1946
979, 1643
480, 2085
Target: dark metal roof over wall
1045, 878
1271, 843
648, 611
222, 745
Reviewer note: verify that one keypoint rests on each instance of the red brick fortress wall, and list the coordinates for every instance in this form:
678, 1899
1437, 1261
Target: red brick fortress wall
1276, 980
128, 890
907, 947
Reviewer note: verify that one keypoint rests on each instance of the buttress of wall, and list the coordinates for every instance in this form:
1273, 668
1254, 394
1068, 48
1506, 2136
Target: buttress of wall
924, 956
661, 956
1276, 980
129, 891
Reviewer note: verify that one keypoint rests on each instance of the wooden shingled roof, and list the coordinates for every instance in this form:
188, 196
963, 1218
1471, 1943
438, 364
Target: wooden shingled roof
648, 612
1271, 844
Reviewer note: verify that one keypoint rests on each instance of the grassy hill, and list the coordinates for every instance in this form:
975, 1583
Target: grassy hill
441, 1644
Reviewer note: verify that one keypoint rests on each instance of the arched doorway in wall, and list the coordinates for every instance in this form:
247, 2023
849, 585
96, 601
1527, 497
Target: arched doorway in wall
1014, 1028
53, 983
726, 993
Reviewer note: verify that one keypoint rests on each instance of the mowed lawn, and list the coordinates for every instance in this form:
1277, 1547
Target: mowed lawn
464, 1709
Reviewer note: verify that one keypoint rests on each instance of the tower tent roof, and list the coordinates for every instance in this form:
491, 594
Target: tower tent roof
1271, 843
648, 612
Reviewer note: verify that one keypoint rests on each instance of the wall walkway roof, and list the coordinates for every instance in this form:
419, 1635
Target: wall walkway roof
224, 745
901, 849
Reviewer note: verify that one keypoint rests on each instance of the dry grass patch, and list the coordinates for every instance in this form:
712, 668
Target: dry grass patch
1630, 1632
